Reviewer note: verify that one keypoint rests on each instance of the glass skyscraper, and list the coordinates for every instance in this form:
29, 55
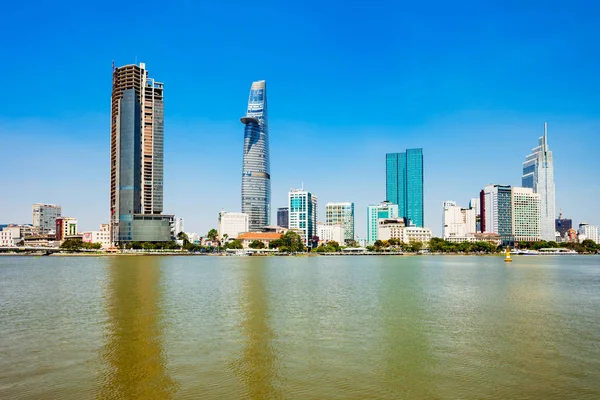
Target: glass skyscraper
538, 174
404, 184
256, 177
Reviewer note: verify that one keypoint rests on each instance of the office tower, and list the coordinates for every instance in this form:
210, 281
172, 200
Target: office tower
65, 226
341, 214
404, 184
232, 224
256, 176
283, 215
136, 157
303, 213
496, 211
538, 174
375, 212
457, 222
562, 225
44, 216
526, 222
511, 212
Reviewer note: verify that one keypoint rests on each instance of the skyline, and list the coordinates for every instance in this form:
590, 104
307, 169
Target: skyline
474, 99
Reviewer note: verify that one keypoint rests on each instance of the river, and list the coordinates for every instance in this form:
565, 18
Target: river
381, 327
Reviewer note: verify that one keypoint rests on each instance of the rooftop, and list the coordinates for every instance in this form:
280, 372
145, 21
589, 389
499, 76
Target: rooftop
259, 236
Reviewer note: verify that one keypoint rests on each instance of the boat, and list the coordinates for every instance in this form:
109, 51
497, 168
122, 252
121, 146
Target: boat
525, 252
557, 251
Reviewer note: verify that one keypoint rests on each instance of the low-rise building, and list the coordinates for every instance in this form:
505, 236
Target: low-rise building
102, 236
396, 228
266, 237
492, 238
65, 226
587, 231
6, 238
328, 233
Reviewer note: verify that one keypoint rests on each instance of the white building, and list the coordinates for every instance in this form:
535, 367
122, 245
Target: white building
232, 224
526, 216
44, 216
6, 238
395, 228
179, 226
65, 226
341, 214
457, 222
193, 237
587, 231
538, 174
303, 213
474, 204
14, 230
327, 233
102, 236
375, 212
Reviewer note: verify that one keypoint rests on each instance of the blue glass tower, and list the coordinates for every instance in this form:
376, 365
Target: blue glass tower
404, 184
256, 177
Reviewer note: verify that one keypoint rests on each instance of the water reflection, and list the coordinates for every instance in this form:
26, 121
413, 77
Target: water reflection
133, 355
256, 368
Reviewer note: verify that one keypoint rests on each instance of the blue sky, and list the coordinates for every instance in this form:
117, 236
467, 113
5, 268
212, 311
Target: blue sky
471, 83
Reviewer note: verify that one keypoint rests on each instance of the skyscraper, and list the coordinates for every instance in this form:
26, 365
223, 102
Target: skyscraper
341, 214
256, 177
44, 216
538, 174
136, 157
303, 213
404, 184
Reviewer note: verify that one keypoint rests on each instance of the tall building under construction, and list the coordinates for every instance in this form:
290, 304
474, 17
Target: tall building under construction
136, 157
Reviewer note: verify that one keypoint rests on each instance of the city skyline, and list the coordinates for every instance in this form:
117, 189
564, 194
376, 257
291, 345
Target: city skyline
475, 120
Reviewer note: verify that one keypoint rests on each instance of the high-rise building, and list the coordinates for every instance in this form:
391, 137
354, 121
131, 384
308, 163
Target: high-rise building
404, 184
341, 214
375, 212
475, 204
65, 226
538, 174
256, 175
496, 211
526, 222
179, 226
511, 212
136, 157
562, 225
232, 224
283, 216
587, 231
44, 216
457, 222
303, 213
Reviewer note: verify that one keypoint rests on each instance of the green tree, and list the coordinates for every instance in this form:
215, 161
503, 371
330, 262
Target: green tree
235, 244
212, 235
416, 246
289, 242
72, 244
257, 244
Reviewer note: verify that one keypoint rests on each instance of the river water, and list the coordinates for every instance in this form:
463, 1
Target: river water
404, 327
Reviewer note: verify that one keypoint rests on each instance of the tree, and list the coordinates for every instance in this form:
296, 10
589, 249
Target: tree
235, 244
71, 244
288, 242
257, 244
225, 236
212, 235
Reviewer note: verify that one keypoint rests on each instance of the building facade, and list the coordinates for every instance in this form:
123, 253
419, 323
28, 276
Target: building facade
538, 174
265, 237
232, 224
102, 236
590, 232
496, 211
137, 156
179, 226
65, 226
375, 212
457, 222
396, 228
526, 223
44, 217
404, 184
256, 175
562, 226
328, 233
341, 213
303, 214
283, 216
6, 238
